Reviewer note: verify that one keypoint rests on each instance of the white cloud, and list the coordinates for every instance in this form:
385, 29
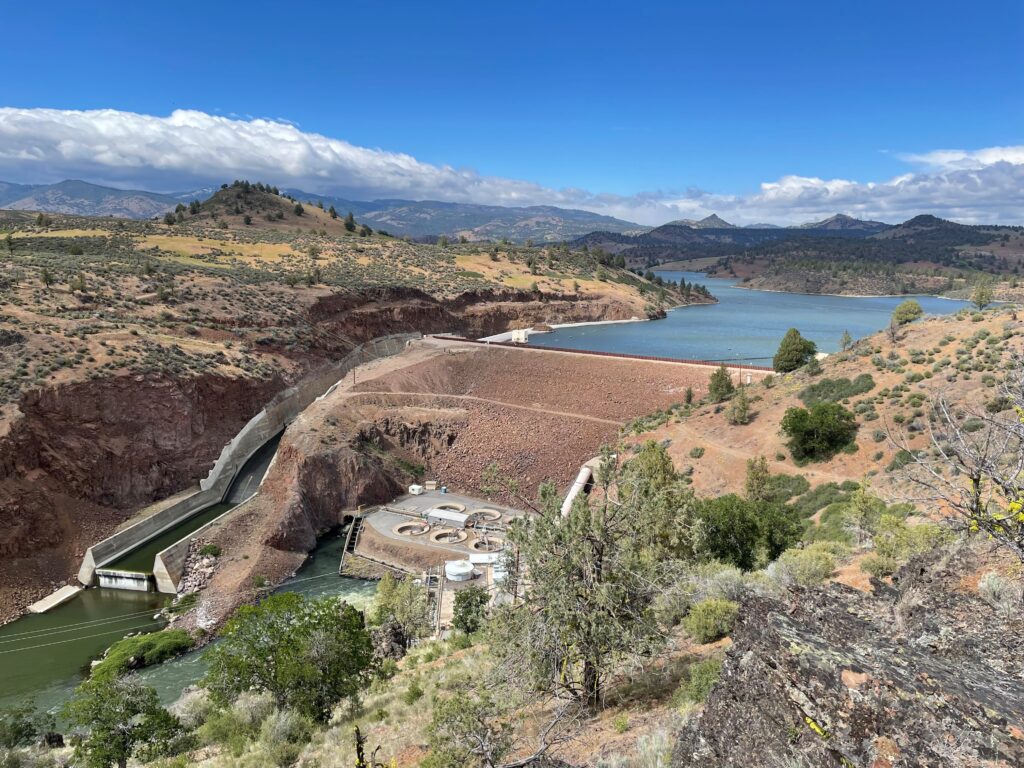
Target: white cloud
190, 148
963, 159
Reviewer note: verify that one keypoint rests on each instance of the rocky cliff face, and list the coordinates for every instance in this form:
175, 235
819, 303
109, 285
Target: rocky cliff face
78, 458
353, 318
921, 673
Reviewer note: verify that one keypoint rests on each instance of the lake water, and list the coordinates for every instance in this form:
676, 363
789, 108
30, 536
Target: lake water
745, 326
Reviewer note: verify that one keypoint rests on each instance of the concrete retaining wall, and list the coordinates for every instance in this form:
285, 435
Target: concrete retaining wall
169, 565
281, 410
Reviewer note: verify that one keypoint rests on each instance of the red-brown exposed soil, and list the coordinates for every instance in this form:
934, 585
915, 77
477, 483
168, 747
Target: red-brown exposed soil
456, 409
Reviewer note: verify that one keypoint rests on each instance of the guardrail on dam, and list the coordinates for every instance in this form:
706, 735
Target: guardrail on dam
278, 413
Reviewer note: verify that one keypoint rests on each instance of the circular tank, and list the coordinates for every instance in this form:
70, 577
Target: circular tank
458, 570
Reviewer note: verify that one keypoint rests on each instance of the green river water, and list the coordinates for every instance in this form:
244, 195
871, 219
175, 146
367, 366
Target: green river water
43, 657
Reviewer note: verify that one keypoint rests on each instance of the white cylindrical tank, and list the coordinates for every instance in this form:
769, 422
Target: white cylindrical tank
458, 570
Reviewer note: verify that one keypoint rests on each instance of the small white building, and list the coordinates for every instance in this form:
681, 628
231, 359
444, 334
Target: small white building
520, 336
447, 518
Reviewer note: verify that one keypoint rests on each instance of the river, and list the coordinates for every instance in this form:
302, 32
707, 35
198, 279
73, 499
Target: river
43, 657
744, 326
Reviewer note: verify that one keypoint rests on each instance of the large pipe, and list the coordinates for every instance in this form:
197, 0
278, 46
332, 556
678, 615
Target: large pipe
580, 484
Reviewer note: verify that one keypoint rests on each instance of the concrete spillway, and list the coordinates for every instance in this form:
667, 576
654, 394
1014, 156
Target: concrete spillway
134, 569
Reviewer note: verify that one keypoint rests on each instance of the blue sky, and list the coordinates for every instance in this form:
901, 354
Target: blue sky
650, 103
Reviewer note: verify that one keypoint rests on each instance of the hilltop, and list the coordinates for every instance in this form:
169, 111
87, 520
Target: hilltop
412, 218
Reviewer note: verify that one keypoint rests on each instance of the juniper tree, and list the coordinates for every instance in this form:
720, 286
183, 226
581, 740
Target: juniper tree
907, 312
738, 412
588, 579
794, 352
720, 386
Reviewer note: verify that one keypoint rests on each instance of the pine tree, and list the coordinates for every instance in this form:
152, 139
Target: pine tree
720, 386
794, 352
845, 341
350, 222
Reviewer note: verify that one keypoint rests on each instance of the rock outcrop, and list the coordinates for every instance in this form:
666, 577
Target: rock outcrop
920, 673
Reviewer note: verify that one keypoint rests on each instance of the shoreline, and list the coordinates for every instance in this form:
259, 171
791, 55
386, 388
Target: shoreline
850, 295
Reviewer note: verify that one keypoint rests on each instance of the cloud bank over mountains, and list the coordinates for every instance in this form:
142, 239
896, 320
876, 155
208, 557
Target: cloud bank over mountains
190, 149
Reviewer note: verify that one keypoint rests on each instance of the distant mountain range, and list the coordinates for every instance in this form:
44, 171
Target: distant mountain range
921, 240
431, 218
80, 198
419, 219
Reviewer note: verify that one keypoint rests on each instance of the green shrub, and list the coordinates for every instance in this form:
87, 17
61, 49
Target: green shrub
804, 567
832, 390
711, 619
209, 550
696, 452
699, 680
878, 566
413, 693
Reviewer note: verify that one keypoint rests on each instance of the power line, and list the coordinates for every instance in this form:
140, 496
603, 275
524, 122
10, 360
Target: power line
39, 634
69, 627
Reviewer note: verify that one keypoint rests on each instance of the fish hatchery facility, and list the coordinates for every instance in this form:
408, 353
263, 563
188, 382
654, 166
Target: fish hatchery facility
447, 540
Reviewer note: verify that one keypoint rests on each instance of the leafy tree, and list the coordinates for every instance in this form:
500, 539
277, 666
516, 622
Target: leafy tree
405, 602
21, 724
845, 341
720, 386
47, 278
728, 531
794, 352
170, 219
820, 432
308, 654
350, 222
738, 411
907, 312
123, 718
981, 297
744, 533
470, 609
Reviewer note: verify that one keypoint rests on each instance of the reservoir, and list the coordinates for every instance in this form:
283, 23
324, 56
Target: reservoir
745, 326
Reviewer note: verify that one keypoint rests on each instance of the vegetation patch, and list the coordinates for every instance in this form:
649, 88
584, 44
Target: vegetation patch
834, 390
